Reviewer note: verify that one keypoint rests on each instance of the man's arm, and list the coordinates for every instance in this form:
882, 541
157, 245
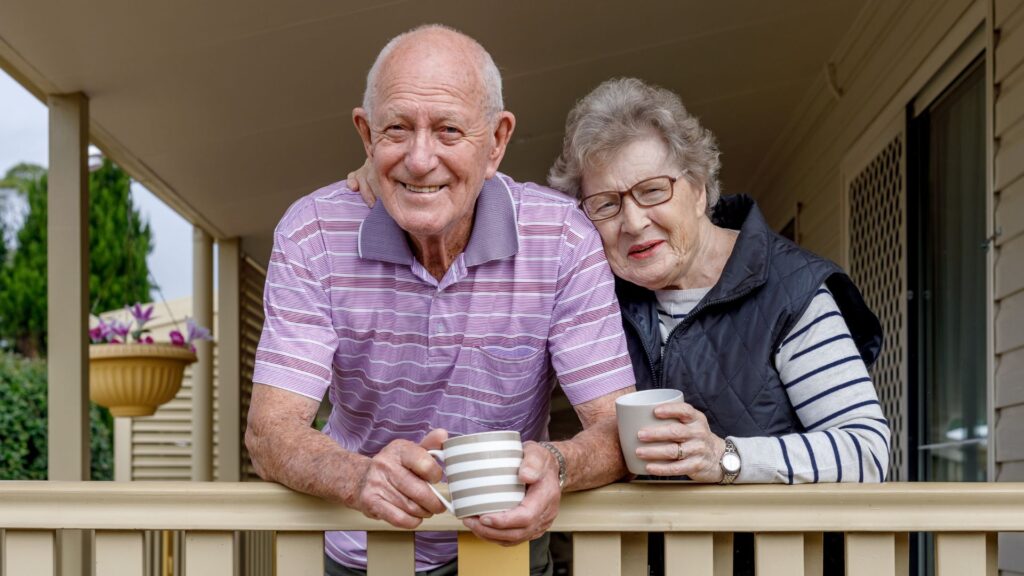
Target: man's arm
592, 457
390, 486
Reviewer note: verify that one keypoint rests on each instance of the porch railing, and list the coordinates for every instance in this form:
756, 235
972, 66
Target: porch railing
608, 527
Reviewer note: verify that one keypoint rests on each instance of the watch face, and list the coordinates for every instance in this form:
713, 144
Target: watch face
731, 463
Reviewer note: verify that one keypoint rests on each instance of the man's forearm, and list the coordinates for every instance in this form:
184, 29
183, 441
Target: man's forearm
308, 461
285, 450
593, 457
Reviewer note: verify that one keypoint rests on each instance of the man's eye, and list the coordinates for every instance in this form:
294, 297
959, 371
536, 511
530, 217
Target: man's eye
450, 131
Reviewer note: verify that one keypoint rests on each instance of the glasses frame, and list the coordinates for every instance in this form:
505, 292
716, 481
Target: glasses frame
632, 192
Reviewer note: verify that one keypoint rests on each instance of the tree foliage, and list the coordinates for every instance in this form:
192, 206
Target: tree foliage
23, 422
119, 242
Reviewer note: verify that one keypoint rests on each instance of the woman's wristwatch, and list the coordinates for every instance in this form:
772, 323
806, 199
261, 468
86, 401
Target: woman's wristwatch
730, 463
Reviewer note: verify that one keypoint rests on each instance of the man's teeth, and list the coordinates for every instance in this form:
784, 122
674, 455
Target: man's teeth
422, 189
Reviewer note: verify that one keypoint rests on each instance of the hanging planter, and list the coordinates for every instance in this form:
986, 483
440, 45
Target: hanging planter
135, 379
131, 374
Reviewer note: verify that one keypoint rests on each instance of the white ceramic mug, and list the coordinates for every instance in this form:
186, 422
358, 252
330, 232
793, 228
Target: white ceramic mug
482, 471
635, 411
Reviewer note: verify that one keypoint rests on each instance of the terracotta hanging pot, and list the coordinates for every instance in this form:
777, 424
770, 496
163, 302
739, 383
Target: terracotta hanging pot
134, 379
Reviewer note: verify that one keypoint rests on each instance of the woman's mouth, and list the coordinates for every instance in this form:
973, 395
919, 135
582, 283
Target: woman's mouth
644, 250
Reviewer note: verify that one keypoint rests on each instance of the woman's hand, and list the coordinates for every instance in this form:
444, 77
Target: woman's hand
364, 181
684, 447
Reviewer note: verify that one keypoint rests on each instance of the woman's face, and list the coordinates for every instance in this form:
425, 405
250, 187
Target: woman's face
653, 247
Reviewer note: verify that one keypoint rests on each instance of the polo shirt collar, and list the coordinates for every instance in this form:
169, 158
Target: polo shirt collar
495, 230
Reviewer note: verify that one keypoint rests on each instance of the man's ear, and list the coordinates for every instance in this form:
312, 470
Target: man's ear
502, 135
362, 121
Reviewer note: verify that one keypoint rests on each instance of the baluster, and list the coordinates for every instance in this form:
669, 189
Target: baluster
30, 552
596, 554
723, 553
120, 553
903, 553
480, 557
209, 553
690, 553
871, 554
390, 554
778, 554
814, 553
634, 553
299, 553
964, 553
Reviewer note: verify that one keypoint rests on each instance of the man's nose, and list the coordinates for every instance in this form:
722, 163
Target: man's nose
420, 158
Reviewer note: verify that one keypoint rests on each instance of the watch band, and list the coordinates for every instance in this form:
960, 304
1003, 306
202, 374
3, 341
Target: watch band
559, 458
729, 477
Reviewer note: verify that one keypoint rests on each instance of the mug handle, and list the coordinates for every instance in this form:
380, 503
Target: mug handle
439, 454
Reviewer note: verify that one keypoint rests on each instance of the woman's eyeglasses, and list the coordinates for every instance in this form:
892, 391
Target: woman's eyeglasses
647, 193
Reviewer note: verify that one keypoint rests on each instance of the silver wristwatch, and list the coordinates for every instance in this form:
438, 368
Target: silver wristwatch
730, 463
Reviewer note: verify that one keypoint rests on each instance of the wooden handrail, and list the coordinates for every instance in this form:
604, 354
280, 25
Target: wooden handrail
635, 507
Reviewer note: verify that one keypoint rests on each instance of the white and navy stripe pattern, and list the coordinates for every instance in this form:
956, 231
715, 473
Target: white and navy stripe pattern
847, 438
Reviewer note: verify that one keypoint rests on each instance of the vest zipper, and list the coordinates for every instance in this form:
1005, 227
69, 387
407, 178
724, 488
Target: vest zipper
655, 377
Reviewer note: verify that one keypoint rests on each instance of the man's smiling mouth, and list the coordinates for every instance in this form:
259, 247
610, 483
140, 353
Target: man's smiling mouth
422, 189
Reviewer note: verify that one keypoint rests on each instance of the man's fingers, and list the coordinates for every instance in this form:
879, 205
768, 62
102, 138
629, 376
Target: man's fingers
414, 458
535, 462
435, 439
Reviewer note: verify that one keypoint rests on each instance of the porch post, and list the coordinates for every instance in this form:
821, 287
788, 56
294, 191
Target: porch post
202, 371
229, 359
67, 295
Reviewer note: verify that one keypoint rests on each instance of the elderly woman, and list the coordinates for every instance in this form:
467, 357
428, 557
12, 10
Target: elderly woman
768, 343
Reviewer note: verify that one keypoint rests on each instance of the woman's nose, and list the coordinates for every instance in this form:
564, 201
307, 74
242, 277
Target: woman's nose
634, 216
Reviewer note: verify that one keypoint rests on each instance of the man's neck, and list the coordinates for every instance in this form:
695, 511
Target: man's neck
436, 253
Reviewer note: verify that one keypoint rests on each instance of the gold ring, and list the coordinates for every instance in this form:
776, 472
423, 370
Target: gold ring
679, 451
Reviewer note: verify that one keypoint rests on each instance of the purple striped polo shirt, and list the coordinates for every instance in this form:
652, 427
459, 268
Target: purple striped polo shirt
350, 311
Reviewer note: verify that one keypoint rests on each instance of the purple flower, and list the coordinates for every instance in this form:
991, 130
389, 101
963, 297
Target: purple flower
196, 332
176, 338
120, 329
141, 316
147, 340
99, 333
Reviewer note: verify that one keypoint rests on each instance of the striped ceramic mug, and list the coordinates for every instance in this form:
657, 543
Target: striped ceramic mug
482, 471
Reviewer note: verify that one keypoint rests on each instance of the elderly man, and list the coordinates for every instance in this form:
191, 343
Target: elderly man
443, 309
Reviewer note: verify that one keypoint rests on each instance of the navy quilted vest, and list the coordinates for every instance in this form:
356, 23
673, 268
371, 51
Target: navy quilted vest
721, 355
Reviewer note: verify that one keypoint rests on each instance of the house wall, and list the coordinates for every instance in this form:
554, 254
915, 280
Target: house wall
893, 51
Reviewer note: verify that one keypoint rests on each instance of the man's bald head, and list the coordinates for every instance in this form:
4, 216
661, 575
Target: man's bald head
439, 40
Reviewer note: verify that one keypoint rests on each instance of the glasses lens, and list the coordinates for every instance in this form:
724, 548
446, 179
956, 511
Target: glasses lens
601, 206
653, 191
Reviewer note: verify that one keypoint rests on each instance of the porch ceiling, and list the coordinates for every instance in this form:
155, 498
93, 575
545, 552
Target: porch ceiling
232, 109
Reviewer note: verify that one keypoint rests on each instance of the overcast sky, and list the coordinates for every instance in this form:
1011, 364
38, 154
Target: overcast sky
23, 138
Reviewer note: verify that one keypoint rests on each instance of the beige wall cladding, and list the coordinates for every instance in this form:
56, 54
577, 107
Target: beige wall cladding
1010, 324
1010, 379
880, 61
1010, 212
1009, 431
1011, 472
1009, 268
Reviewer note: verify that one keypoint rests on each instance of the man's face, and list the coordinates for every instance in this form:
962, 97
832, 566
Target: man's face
430, 140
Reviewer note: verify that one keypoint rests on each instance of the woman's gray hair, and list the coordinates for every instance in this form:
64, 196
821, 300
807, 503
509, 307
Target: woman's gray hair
488, 70
621, 111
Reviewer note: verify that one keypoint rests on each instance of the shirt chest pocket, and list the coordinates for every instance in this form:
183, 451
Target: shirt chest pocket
498, 388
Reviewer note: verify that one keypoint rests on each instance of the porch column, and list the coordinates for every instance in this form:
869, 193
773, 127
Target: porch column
68, 309
202, 371
229, 359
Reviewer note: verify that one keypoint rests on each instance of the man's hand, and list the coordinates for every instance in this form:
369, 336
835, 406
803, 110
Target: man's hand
393, 484
364, 181
534, 515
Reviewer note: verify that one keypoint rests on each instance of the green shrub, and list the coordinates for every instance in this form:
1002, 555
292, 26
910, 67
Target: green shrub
23, 424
